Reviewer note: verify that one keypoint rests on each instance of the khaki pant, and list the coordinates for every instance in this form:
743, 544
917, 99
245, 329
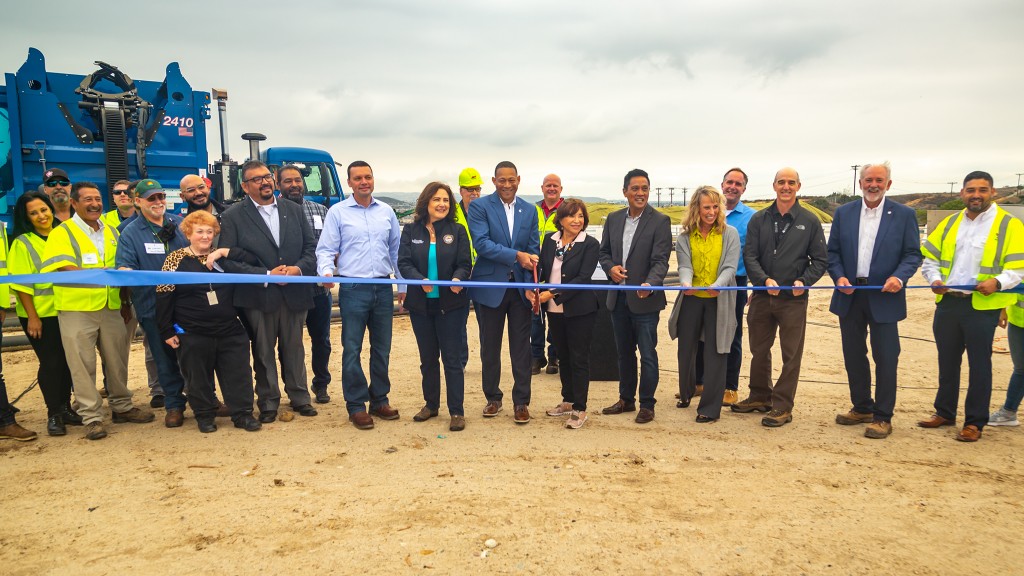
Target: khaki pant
766, 316
82, 333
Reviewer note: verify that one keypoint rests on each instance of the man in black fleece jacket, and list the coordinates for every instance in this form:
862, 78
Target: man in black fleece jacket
785, 247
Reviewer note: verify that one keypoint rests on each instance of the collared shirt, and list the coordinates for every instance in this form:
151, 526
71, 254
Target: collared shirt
271, 218
95, 236
628, 231
510, 215
549, 211
706, 253
359, 242
870, 218
316, 215
739, 218
971, 236
140, 249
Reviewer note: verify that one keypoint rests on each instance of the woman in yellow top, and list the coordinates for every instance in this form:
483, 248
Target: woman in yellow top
33, 221
708, 251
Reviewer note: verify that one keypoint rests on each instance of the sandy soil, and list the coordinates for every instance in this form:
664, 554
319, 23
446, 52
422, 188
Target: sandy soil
315, 495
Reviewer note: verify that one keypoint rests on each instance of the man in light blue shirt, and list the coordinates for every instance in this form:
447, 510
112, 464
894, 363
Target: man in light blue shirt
360, 240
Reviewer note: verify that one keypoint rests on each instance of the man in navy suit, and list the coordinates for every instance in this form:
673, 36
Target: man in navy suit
873, 242
505, 236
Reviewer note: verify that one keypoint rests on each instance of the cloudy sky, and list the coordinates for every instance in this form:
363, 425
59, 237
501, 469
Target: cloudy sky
587, 90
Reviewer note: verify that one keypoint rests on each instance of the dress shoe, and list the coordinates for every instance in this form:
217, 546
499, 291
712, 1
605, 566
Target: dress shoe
878, 430
698, 390
619, 407
70, 417
361, 420
853, 417
305, 410
135, 416
729, 398
492, 409
268, 416
552, 367
206, 425
970, 433
702, 419
385, 412
174, 418
645, 415
537, 364
935, 421
522, 414
157, 401
749, 405
247, 422
14, 431
223, 411
55, 426
776, 418
683, 403
321, 395
458, 423
95, 431
424, 414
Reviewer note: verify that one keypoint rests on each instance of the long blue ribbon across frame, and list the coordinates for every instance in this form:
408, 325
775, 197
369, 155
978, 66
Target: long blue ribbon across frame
123, 278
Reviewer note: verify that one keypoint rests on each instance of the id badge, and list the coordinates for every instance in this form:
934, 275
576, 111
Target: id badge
90, 258
212, 297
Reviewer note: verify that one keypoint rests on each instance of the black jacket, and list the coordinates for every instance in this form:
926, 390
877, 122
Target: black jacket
453, 261
800, 255
578, 266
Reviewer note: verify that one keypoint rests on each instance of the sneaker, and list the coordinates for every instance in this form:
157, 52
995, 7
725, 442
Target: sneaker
749, 405
776, 418
853, 417
95, 431
1003, 417
14, 431
730, 398
576, 420
135, 416
561, 410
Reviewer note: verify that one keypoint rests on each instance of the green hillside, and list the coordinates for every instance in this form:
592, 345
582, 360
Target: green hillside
598, 211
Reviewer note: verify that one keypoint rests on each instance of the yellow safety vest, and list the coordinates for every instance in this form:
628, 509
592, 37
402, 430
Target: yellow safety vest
1015, 313
112, 219
460, 218
545, 225
68, 245
1004, 249
26, 258
5, 289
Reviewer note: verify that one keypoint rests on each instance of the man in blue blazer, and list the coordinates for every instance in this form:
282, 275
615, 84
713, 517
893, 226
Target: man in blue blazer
873, 242
505, 236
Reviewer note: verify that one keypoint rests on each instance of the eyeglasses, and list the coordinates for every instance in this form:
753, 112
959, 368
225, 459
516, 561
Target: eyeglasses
53, 183
155, 197
195, 188
259, 179
120, 192
473, 190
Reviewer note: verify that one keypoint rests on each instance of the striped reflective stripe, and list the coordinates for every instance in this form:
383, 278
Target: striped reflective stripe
949, 226
931, 248
3, 265
1020, 303
996, 267
33, 255
75, 247
1013, 257
43, 291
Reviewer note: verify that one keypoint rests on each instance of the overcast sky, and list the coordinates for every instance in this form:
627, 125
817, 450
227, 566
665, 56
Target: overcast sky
587, 90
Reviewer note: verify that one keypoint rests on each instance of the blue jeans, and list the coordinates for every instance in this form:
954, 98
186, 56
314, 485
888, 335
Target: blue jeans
365, 306
440, 334
1015, 391
318, 324
633, 332
167, 371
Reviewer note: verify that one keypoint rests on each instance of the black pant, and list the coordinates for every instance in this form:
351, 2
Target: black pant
199, 356
6, 410
735, 361
54, 375
957, 326
571, 336
318, 325
441, 334
698, 318
885, 350
492, 323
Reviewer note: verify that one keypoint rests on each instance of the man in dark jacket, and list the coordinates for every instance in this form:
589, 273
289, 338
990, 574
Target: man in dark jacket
785, 247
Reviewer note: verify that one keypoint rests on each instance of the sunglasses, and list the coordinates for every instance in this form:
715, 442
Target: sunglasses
156, 197
120, 192
53, 183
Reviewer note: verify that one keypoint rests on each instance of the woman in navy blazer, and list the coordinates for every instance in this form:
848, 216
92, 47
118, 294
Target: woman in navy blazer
435, 247
569, 256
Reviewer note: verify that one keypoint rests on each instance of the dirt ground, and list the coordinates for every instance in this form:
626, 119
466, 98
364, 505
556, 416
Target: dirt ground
315, 495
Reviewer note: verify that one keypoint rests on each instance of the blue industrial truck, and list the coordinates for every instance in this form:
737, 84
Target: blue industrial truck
105, 127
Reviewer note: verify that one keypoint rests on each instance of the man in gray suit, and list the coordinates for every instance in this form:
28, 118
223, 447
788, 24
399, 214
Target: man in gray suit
635, 247
278, 236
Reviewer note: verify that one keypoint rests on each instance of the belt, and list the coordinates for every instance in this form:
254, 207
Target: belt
860, 282
955, 294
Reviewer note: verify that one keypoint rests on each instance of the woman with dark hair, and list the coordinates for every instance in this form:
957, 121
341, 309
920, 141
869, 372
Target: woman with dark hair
201, 322
33, 221
569, 256
708, 251
435, 247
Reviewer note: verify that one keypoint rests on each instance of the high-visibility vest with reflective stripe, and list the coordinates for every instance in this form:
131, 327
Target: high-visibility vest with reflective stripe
545, 225
1015, 312
460, 217
68, 245
5, 290
1004, 249
26, 258
112, 219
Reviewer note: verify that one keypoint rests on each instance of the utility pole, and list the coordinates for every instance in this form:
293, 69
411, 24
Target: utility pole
854, 189
951, 184
684, 196
671, 192
1019, 174
659, 197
